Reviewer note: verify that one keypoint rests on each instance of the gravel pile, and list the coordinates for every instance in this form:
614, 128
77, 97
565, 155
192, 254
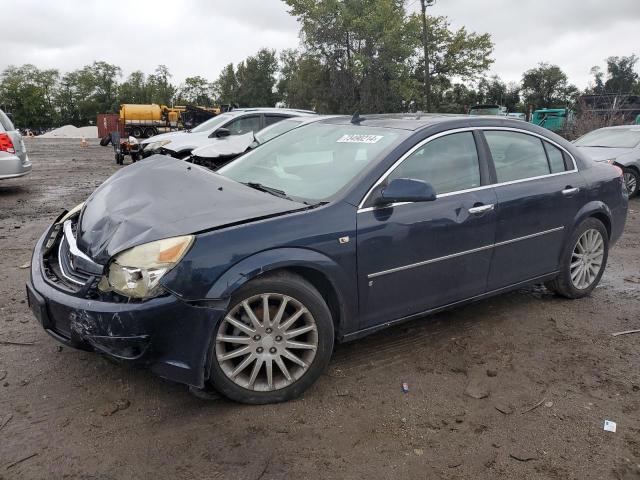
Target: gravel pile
69, 131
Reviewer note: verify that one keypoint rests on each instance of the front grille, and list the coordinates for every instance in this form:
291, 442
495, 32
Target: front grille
67, 268
59, 267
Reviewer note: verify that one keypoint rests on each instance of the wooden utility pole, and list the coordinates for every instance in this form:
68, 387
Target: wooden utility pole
425, 44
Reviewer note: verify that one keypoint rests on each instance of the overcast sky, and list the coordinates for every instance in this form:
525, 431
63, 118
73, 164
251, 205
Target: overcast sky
199, 37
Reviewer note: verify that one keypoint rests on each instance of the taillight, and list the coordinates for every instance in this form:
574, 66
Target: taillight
6, 145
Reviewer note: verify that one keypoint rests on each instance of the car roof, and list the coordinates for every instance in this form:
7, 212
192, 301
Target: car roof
418, 121
297, 111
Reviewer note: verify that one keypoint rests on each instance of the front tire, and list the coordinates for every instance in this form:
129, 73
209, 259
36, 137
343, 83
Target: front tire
631, 181
583, 260
274, 342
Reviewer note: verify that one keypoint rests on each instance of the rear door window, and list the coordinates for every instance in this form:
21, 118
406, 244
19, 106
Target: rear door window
243, 125
449, 163
271, 119
517, 156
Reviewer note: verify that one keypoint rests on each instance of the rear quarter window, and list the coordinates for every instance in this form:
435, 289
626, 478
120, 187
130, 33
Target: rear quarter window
556, 158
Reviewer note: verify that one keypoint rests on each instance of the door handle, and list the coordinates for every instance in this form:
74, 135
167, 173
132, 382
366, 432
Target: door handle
570, 191
481, 209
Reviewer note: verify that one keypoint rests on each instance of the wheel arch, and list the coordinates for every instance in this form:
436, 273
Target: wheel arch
596, 209
316, 268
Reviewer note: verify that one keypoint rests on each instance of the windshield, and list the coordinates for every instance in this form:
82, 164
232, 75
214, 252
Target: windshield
611, 138
212, 123
312, 162
277, 129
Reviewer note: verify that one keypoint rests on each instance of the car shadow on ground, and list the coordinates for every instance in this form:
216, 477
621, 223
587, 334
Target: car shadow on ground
395, 345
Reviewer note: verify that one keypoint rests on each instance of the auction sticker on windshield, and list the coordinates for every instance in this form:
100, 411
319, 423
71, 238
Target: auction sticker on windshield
359, 139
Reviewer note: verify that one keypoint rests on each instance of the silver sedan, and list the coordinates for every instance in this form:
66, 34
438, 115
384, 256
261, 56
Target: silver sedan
14, 161
616, 145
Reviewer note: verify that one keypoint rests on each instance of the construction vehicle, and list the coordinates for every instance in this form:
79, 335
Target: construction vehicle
142, 121
553, 119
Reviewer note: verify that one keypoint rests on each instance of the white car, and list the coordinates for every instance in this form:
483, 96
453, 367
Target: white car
222, 150
236, 122
14, 161
618, 146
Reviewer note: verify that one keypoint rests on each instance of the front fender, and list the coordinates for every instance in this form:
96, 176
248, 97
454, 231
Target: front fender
343, 287
269, 260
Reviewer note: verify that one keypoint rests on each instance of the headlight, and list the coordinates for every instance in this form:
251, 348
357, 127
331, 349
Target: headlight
156, 145
136, 272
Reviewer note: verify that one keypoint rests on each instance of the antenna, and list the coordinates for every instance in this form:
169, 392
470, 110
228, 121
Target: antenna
356, 118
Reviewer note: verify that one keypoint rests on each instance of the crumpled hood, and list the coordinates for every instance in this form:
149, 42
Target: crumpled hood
181, 141
231, 145
162, 197
157, 138
600, 154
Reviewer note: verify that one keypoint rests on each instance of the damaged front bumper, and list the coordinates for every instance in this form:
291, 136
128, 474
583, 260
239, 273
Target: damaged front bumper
167, 334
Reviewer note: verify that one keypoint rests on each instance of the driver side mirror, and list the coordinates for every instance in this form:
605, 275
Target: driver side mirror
221, 132
406, 190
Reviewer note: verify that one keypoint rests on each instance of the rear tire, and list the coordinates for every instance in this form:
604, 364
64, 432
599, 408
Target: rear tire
632, 181
583, 260
136, 132
149, 132
286, 350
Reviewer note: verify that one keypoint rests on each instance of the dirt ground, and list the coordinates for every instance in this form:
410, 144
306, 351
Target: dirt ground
549, 367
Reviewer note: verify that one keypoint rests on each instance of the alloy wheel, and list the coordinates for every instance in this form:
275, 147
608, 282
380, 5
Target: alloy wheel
630, 181
266, 342
586, 259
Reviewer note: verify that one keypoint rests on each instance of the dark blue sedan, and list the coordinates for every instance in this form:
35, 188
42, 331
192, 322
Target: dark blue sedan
243, 279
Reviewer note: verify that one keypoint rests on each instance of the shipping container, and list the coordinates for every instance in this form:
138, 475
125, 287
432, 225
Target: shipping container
109, 122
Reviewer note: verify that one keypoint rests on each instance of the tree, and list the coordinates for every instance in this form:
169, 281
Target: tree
547, 86
493, 90
256, 77
195, 91
134, 89
621, 74
452, 54
226, 86
458, 99
161, 91
303, 81
359, 48
621, 77
28, 93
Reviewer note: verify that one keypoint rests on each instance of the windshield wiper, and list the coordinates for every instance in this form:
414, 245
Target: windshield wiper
264, 188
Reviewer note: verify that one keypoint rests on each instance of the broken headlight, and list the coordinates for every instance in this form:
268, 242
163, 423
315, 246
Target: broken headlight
136, 272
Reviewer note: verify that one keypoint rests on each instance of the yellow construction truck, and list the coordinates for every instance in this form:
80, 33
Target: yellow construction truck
142, 121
